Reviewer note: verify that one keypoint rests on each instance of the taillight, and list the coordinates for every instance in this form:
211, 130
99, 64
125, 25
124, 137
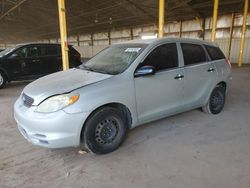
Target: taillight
78, 56
228, 62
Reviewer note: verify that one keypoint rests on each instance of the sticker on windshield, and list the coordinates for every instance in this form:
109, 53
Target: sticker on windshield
133, 50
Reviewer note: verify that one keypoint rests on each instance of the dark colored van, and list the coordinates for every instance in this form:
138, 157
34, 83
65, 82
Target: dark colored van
31, 61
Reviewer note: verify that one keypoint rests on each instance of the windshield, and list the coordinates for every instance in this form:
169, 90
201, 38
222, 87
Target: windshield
115, 59
6, 51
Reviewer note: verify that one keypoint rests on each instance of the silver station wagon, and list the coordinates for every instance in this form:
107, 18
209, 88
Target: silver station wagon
123, 86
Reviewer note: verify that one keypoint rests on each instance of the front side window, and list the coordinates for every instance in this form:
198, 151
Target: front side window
114, 59
163, 57
193, 54
22, 52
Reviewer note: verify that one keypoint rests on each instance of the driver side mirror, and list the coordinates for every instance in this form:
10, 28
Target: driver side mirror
144, 71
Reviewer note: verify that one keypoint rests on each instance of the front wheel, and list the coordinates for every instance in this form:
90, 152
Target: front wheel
3, 80
105, 130
216, 101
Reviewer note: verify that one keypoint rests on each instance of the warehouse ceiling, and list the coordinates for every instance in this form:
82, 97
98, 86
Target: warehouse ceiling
27, 20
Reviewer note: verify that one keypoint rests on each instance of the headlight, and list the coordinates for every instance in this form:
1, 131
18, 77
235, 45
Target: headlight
56, 103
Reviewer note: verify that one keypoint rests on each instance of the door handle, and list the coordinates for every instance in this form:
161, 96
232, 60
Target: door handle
210, 70
179, 77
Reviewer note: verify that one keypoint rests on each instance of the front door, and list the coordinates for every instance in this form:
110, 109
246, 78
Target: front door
17, 63
50, 61
160, 94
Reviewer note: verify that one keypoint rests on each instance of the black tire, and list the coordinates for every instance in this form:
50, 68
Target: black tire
216, 101
3, 80
105, 130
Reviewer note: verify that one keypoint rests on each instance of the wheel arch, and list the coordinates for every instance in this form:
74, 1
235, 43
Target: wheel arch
220, 83
5, 73
223, 84
123, 108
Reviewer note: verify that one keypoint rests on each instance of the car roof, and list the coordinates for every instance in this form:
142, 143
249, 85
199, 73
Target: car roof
155, 41
33, 43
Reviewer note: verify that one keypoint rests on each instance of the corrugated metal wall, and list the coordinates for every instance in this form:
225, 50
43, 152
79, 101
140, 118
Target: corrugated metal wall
88, 45
190, 29
223, 43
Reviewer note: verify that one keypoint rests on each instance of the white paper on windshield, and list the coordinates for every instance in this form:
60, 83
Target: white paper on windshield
133, 50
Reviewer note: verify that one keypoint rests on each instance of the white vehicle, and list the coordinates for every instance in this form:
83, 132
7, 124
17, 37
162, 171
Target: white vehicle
125, 85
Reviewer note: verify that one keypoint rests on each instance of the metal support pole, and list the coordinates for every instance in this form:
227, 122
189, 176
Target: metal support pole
230, 36
161, 18
78, 40
109, 38
92, 43
63, 33
203, 28
215, 15
131, 34
180, 33
243, 33
92, 39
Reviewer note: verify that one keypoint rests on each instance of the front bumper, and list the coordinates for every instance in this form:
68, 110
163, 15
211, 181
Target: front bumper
51, 130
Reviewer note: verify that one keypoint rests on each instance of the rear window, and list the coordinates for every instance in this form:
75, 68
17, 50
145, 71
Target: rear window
73, 50
215, 53
193, 54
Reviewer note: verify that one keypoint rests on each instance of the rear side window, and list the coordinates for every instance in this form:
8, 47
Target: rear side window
51, 50
215, 53
163, 57
23, 52
193, 54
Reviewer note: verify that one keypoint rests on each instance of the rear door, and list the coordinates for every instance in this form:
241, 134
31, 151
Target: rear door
33, 60
218, 59
162, 93
50, 60
200, 74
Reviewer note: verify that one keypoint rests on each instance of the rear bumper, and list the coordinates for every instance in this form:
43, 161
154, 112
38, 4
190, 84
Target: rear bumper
230, 80
229, 83
52, 130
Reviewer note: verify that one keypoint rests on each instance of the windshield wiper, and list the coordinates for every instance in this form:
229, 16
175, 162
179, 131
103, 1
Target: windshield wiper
101, 71
92, 70
85, 67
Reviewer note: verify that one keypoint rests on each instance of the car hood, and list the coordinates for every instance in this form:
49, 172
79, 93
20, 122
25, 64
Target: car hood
61, 82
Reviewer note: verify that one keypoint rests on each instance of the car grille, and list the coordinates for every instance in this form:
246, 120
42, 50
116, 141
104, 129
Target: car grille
28, 101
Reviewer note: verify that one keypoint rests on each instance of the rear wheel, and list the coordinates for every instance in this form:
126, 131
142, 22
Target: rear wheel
2, 80
216, 101
105, 130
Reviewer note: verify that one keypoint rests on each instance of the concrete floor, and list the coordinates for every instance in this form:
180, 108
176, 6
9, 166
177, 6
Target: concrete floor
192, 149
